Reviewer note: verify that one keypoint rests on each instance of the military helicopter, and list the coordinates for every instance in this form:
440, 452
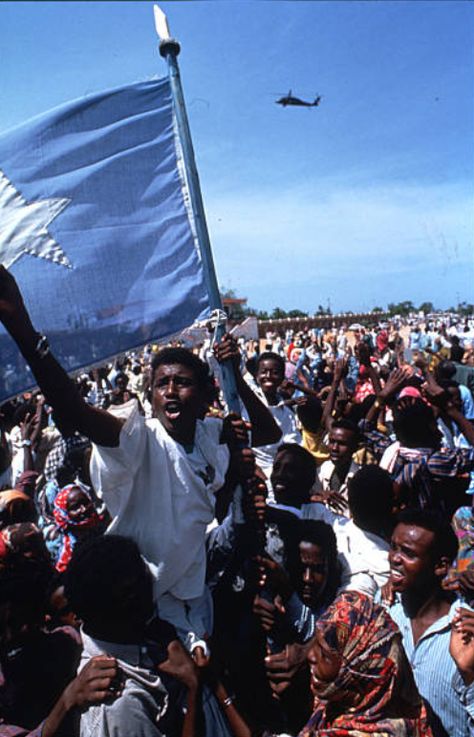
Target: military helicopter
289, 99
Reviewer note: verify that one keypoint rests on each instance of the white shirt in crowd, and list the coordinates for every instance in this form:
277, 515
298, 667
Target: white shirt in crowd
162, 497
363, 555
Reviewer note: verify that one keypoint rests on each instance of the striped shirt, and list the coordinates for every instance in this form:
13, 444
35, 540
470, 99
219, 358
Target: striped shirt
420, 470
434, 671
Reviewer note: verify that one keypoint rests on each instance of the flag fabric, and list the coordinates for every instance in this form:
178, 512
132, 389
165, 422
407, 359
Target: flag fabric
96, 227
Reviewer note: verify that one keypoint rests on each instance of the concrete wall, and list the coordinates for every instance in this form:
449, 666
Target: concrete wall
320, 321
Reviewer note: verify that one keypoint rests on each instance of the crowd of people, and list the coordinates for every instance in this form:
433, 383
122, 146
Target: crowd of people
302, 567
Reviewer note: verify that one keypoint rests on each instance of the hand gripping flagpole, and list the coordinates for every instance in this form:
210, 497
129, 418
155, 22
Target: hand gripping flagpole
169, 50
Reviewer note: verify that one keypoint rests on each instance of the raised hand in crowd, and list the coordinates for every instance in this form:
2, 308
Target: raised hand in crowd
396, 379
434, 393
227, 349
340, 370
395, 382
442, 399
264, 428
461, 646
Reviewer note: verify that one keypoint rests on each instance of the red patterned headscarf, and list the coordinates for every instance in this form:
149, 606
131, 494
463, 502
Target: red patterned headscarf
374, 692
68, 525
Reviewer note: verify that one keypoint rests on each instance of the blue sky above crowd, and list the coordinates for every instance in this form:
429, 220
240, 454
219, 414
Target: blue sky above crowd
365, 200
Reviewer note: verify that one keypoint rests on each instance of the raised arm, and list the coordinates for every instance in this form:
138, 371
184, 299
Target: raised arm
394, 383
339, 371
364, 359
265, 430
59, 390
438, 396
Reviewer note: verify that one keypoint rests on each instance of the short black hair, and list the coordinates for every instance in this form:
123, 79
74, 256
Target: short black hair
304, 458
370, 496
445, 542
343, 424
270, 356
445, 370
317, 532
94, 573
411, 422
174, 356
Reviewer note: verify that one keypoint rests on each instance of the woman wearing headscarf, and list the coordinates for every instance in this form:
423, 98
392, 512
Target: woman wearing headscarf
76, 518
360, 677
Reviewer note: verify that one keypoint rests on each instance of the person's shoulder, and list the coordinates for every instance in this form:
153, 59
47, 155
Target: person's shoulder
281, 517
372, 541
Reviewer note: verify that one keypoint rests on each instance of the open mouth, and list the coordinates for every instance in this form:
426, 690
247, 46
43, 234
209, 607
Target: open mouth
396, 576
172, 410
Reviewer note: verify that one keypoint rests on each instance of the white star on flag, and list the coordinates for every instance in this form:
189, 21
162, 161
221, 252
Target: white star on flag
23, 226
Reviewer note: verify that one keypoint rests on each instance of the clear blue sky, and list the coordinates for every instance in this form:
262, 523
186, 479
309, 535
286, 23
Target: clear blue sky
365, 200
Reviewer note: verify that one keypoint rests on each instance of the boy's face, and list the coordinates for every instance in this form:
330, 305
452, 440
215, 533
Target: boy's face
177, 400
314, 572
342, 445
410, 557
288, 479
269, 375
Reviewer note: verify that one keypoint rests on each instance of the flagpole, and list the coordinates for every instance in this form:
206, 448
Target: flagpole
169, 50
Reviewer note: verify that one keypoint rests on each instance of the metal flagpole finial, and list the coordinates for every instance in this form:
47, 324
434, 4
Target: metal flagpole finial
167, 44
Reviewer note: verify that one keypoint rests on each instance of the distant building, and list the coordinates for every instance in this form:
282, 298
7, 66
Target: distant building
234, 307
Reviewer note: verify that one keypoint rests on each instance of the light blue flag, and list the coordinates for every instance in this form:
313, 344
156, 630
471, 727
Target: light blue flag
95, 225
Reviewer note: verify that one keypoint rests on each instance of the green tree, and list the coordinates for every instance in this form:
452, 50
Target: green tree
401, 308
426, 307
465, 309
377, 309
278, 314
297, 313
